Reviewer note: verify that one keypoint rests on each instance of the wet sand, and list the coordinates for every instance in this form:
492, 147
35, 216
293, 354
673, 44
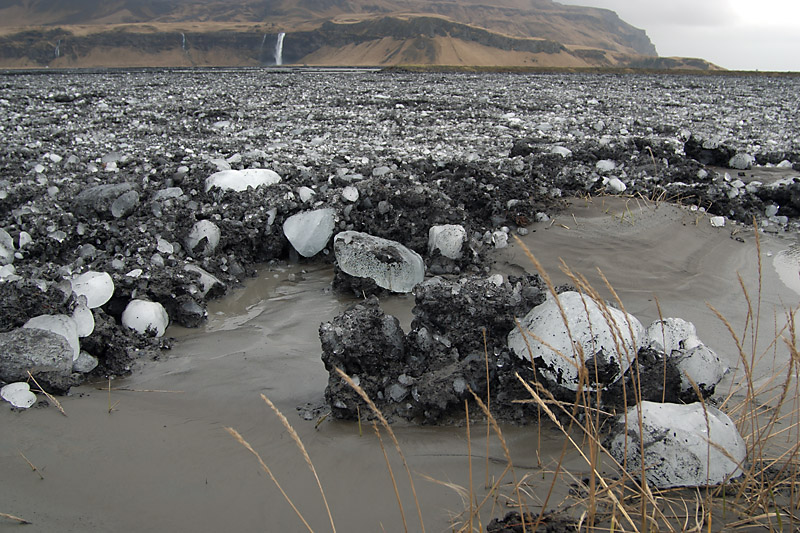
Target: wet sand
163, 461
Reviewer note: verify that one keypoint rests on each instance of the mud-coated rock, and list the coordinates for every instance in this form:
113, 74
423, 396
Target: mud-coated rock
684, 445
47, 355
367, 345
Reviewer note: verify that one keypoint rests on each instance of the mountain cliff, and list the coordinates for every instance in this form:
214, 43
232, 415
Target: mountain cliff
317, 32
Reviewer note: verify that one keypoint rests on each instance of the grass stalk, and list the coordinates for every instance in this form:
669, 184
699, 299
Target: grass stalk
299, 443
236, 435
377, 412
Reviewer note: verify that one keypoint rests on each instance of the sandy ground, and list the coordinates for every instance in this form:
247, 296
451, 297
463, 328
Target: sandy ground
163, 461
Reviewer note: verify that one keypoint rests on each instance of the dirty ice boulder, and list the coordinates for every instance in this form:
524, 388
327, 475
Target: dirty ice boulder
100, 199
97, 287
678, 339
240, 180
676, 440
448, 239
62, 325
144, 316
607, 337
47, 355
390, 264
310, 231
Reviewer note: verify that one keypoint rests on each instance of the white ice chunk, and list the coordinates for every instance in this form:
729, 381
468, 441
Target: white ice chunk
606, 165
390, 264
742, 161
7, 272
141, 315
677, 449
84, 320
18, 394
204, 229
678, 339
85, 363
562, 151
98, 287
306, 194
500, 239
60, 324
717, 222
604, 333
164, 246
448, 239
24, 239
207, 280
350, 193
615, 186
240, 180
310, 231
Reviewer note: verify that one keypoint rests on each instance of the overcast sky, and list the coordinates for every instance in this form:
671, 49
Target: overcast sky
734, 34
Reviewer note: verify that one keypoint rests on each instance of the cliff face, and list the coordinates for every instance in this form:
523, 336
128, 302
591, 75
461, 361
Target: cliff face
323, 32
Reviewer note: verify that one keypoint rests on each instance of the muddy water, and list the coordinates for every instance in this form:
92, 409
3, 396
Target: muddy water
163, 460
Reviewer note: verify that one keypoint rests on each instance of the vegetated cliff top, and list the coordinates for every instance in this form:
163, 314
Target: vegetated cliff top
573, 26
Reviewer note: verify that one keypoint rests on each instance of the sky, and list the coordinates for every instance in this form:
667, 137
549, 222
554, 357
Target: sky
734, 34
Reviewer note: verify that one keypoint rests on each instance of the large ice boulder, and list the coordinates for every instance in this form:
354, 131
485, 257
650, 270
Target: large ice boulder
388, 263
144, 316
46, 355
684, 445
62, 325
678, 339
604, 338
310, 231
97, 287
240, 180
448, 239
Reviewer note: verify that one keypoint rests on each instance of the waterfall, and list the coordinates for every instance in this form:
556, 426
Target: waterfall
279, 49
183, 41
58, 48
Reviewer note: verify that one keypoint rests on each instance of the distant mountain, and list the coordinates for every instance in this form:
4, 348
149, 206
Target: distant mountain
324, 32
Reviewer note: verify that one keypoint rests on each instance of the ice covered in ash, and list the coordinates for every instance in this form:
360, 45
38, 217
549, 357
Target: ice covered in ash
448, 239
240, 180
142, 315
607, 337
62, 325
97, 287
204, 229
310, 231
388, 263
6, 248
18, 394
684, 445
